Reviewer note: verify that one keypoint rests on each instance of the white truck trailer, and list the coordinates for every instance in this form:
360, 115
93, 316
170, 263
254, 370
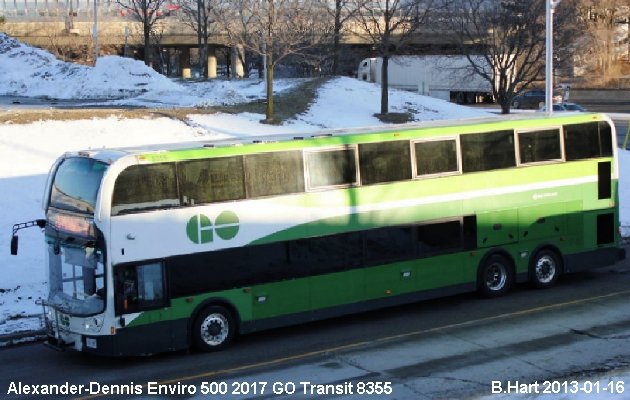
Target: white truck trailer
448, 78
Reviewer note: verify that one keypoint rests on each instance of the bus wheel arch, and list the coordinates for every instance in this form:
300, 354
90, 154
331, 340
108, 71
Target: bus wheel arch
545, 266
495, 274
213, 325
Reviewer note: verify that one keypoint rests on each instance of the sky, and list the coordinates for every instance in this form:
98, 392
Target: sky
28, 150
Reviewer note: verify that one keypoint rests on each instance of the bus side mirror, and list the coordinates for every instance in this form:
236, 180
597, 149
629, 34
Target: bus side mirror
16, 227
14, 245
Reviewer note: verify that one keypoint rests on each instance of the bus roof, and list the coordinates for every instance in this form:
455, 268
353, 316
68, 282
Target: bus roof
288, 141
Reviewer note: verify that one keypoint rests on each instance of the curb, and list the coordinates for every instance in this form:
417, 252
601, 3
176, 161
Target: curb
22, 337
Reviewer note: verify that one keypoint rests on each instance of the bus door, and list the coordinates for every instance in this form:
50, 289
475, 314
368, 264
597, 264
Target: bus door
141, 303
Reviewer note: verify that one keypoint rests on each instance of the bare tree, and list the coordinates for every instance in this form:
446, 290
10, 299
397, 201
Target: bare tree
341, 12
148, 13
509, 37
68, 47
274, 29
242, 21
198, 14
569, 28
390, 25
156, 41
603, 34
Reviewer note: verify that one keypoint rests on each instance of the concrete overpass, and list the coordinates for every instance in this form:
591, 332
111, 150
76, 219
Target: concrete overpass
69, 24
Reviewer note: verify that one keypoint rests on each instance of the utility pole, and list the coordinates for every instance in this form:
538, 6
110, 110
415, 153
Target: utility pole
551, 5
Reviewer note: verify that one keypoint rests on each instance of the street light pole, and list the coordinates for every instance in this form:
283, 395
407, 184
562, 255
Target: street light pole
550, 7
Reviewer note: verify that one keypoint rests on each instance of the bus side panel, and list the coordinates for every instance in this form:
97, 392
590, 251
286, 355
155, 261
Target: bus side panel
440, 272
336, 289
546, 222
497, 228
280, 298
393, 279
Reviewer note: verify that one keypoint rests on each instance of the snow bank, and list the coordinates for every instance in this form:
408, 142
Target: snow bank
29, 71
342, 100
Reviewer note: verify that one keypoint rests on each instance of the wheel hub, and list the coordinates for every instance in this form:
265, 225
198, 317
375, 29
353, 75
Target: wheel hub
214, 329
496, 277
545, 269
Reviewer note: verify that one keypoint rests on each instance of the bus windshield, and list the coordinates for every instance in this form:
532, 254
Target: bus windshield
76, 279
76, 184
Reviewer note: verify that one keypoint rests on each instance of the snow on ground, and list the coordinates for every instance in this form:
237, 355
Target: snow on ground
27, 151
340, 102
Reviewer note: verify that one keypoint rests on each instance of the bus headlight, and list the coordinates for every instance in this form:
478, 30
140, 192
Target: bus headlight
93, 324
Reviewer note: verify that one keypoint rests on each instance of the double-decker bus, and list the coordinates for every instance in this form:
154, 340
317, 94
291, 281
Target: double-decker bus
171, 247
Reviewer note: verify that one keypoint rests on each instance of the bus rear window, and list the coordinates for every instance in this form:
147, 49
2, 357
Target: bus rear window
590, 140
76, 184
145, 187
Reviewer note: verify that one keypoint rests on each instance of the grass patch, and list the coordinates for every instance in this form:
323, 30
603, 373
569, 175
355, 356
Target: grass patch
26, 116
286, 105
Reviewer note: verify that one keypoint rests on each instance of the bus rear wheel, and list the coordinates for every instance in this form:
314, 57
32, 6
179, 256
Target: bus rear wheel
544, 269
495, 276
214, 329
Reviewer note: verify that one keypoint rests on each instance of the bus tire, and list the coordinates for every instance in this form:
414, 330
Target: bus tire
544, 269
213, 329
495, 276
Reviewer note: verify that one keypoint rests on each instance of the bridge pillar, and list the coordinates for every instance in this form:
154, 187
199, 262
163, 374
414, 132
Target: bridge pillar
212, 63
184, 62
238, 56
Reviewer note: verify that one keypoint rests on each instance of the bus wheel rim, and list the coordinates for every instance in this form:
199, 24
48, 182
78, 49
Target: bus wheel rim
545, 269
214, 329
496, 276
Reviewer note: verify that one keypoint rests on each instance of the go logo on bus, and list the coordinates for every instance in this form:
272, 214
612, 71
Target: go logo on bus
200, 229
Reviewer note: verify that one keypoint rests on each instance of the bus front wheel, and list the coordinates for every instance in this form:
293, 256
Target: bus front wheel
495, 276
544, 269
213, 329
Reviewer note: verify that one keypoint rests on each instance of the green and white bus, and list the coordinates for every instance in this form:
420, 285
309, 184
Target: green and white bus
172, 247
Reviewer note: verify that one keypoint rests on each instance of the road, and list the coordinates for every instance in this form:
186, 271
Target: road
452, 347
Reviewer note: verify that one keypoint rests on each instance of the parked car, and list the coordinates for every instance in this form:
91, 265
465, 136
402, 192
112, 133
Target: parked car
573, 107
565, 107
532, 99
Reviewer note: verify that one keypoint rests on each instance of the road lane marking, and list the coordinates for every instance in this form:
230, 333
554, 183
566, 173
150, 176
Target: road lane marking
281, 360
